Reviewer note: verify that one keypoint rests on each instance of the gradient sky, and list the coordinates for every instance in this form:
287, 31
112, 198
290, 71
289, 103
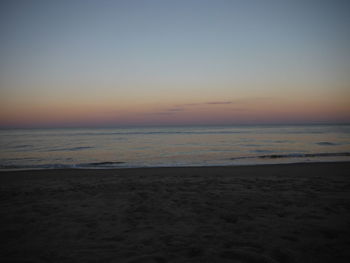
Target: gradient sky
106, 63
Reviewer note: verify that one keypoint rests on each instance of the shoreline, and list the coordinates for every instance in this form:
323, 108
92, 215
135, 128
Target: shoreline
269, 213
209, 166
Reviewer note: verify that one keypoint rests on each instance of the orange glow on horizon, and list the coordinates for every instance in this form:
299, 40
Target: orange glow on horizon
248, 110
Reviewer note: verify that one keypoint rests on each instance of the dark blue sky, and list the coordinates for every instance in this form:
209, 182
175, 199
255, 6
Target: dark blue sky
144, 53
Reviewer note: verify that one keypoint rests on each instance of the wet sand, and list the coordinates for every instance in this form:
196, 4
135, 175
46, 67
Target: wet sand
272, 213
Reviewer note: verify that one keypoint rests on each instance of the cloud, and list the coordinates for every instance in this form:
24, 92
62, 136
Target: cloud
184, 107
169, 111
161, 113
219, 102
207, 103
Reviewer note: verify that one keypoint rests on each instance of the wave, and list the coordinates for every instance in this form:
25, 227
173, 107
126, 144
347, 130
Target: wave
262, 151
22, 146
327, 143
36, 166
63, 166
70, 149
104, 164
120, 164
294, 155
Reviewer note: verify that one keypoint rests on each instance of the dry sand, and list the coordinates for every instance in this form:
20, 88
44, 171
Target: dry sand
272, 213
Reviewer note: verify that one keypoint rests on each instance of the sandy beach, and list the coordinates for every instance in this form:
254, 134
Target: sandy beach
272, 213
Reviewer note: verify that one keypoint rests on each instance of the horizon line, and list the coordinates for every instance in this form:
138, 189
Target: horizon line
171, 125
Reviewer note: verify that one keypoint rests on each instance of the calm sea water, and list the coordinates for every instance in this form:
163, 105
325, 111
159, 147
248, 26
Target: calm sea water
175, 146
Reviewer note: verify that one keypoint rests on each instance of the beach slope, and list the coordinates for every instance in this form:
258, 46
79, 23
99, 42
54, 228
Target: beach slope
272, 213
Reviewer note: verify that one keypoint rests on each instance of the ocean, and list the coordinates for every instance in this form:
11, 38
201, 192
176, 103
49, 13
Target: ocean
104, 148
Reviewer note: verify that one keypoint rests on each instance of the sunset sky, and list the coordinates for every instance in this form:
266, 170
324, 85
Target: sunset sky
111, 63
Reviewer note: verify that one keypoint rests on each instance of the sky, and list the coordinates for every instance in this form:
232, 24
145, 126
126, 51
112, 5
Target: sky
84, 63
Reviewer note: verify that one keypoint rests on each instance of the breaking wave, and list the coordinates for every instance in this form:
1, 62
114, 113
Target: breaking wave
295, 155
